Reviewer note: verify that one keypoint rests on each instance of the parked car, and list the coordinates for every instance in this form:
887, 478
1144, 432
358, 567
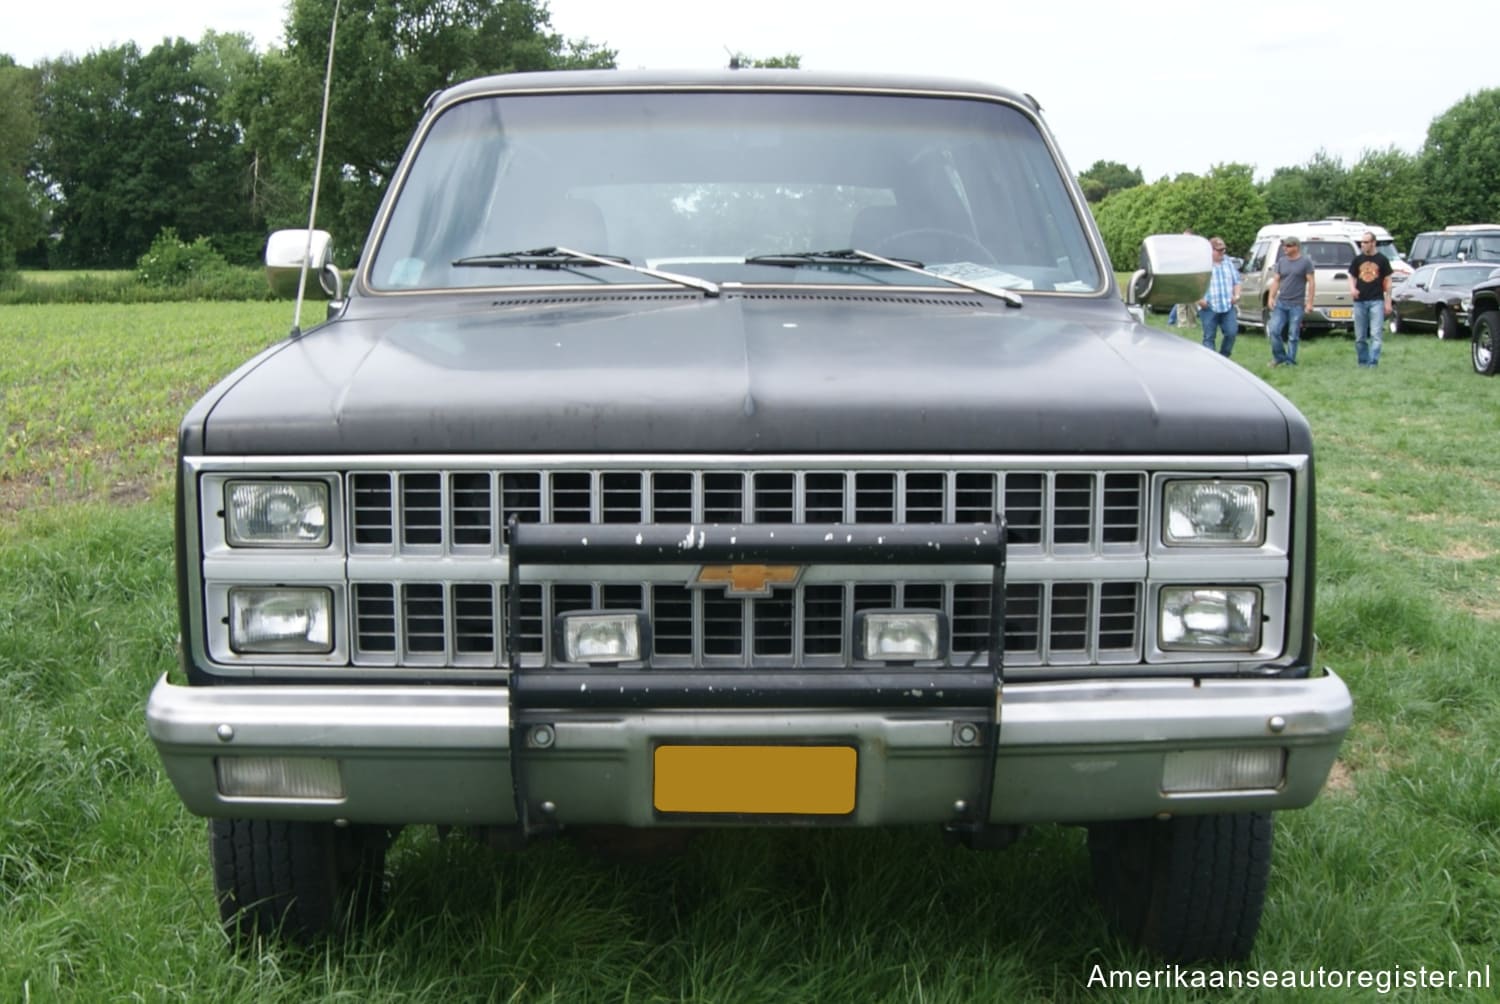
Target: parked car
1485, 310
1436, 298
1331, 254
604, 499
1469, 242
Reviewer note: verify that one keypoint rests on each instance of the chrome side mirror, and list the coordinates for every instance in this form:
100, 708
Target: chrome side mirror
1174, 269
285, 252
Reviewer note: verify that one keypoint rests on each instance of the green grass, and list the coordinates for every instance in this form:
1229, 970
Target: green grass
104, 878
91, 395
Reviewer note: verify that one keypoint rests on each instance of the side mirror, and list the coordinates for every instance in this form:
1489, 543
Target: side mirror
1174, 269
285, 252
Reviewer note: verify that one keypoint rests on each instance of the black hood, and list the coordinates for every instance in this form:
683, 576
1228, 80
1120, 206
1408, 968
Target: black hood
746, 373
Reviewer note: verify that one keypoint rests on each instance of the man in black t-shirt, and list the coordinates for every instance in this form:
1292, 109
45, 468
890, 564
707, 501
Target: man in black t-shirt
1370, 285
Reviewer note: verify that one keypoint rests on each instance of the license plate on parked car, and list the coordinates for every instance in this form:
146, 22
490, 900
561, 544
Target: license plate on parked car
1341, 313
755, 780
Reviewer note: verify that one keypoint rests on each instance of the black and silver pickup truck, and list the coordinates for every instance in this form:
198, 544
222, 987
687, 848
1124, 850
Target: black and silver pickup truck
745, 448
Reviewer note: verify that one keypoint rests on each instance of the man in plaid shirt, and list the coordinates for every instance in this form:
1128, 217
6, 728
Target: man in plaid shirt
1216, 310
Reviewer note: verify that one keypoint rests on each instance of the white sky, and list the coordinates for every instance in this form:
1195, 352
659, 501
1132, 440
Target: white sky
1167, 85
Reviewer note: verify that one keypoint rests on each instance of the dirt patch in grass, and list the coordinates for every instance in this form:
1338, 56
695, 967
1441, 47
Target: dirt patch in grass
1340, 780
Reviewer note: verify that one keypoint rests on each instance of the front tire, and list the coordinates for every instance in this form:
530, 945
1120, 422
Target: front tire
297, 880
1482, 350
1187, 889
1447, 325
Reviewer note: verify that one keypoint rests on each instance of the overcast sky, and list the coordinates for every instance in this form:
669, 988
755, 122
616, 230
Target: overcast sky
1166, 86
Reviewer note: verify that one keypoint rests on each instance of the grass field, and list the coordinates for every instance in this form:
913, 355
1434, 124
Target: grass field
104, 878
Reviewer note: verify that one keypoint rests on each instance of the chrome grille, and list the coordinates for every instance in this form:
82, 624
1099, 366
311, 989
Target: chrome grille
464, 623
460, 621
458, 511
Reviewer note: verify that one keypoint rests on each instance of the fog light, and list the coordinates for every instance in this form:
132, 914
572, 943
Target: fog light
279, 619
1223, 770
1209, 618
602, 636
279, 777
901, 635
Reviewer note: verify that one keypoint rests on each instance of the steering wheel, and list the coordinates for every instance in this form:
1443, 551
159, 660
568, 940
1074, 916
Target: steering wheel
888, 244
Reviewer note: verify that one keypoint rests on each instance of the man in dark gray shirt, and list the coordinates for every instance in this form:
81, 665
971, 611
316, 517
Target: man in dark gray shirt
1290, 295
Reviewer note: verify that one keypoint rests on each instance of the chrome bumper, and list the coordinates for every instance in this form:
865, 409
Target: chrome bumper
1072, 751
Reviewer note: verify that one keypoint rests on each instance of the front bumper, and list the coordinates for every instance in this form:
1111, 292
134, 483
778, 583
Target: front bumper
1074, 751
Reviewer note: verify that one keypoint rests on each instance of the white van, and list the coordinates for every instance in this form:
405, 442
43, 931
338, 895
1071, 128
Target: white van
1331, 244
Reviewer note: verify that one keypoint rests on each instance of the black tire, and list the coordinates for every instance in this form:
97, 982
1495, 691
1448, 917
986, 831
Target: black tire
1447, 324
295, 880
1482, 349
1189, 888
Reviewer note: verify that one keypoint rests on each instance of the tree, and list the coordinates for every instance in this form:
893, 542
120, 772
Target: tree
21, 218
1314, 191
1225, 202
1386, 189
1460, 162
135, 143
390, 57
789, 61
1106, 177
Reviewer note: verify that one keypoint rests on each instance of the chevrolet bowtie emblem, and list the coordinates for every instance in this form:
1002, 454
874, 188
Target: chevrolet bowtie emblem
745, 580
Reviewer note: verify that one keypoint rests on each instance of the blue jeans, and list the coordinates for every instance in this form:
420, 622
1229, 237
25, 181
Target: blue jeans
1227, 321
1369, 319
1285, 318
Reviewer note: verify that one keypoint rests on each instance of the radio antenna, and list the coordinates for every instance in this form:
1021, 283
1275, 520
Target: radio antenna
312, 210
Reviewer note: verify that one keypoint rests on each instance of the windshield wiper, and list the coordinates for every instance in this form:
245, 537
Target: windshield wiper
561, 257
792, 259
846, 256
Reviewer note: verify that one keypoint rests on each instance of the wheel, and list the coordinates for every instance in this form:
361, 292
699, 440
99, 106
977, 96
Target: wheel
1394, 323
1447, 324
1188, 888
1486, 332
924, 243
296, 880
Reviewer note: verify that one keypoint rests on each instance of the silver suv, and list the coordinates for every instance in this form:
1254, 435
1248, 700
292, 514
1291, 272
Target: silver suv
1332, 307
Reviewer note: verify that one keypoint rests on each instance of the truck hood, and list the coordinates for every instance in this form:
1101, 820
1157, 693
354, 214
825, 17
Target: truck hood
744, 373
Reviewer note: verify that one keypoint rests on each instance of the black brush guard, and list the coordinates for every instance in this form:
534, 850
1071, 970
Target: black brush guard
580, 688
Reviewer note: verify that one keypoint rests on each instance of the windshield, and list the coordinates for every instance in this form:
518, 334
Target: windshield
695, 183
1461, 275
1388, 248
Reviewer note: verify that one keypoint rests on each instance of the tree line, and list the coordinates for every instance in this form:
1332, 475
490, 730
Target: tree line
214, 141
101, 154
1454, 178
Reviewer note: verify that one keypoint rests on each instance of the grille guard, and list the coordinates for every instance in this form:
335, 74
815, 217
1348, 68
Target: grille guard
784, 543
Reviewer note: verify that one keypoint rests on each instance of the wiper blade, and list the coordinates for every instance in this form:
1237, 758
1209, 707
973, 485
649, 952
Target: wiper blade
905, 264
845, 256
550, 257
560, 257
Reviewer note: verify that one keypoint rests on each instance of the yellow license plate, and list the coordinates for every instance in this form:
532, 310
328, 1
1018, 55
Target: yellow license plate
1341, 313
755, 780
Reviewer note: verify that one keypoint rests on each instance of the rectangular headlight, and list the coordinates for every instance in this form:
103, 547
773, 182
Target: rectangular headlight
1214, 513
602, 636
900, 635
1209, 618
280, 620
276, 513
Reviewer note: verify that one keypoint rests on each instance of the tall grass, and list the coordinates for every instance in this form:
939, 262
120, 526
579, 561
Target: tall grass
104, 878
